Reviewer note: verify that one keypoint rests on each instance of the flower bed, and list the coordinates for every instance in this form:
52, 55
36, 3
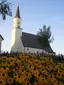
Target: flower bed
27, 70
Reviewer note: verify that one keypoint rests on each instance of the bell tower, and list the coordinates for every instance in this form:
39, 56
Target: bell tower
16, 43
17, 20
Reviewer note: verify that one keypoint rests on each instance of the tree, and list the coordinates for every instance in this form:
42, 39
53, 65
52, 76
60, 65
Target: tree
5, 9
44, 36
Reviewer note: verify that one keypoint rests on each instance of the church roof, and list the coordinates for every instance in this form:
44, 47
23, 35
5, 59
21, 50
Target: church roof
30, 40
18, 13
1, 37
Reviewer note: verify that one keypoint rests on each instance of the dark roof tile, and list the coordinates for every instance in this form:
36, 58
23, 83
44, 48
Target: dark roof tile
1, 37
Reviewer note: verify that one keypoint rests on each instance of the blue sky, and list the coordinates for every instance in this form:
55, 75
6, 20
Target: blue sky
34, 14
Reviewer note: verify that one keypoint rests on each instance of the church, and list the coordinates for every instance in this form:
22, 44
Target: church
25, 42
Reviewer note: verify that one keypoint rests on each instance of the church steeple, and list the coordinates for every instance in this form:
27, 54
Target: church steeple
17, 13
16, 33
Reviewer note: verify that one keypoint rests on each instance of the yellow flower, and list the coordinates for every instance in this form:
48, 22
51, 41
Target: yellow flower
9, 81
2, 83
27, 75
26, 82
35, 72
19, 79
35, 83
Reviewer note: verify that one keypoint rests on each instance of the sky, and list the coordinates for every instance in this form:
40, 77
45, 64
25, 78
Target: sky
35, 14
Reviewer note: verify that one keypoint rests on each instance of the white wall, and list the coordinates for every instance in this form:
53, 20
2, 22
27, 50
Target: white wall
33, 50
16, 43
16, 23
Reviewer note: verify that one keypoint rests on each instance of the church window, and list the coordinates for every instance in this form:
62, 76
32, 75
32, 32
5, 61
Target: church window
27, 48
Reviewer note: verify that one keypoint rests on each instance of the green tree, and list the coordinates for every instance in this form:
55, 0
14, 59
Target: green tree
5, 8
44, 36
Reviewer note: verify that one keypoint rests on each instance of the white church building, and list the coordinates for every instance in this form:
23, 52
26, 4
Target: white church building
25, 42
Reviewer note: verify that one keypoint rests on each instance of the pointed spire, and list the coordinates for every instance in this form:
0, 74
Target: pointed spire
18, 13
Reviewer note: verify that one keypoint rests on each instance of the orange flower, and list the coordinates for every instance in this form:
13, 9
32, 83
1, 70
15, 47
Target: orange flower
26, 82
27, 75
12, 59
2, 83
35, 83
19, 79
35, 72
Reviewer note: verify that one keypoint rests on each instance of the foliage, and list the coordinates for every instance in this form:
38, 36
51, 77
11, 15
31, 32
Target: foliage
45, 36
5, 9
25, 69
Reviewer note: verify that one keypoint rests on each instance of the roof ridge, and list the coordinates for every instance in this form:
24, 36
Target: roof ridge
29, 33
